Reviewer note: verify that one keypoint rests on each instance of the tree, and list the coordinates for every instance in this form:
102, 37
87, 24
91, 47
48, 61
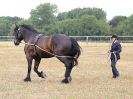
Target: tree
62, 16
116, 20
129, 26
86, 25
43, 15
97, 12
6, 24
124, 26
92, 26
78, 13
67, 26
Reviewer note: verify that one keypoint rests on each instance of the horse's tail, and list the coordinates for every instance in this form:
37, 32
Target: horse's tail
75, 50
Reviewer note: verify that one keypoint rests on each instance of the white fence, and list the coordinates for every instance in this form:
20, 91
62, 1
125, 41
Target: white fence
123, 39
84, 38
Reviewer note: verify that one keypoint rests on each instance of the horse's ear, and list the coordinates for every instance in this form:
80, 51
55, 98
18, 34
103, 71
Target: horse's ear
16, 25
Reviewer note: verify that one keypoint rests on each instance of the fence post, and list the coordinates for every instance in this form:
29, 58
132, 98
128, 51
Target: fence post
87, 39
109, 42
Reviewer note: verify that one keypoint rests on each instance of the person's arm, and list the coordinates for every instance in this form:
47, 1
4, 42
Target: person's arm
119, 48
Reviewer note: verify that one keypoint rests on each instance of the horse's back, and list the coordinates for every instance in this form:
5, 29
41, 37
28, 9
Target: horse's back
57, 43
61, 40
61, 44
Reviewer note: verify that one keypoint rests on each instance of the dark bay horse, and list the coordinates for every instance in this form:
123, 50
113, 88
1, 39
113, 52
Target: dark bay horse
38, 46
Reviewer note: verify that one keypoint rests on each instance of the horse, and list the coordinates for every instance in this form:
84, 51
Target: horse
38, 46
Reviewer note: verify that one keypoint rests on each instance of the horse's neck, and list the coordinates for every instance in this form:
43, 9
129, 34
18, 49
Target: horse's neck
27, 36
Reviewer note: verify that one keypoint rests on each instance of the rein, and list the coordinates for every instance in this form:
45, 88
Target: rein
46, 50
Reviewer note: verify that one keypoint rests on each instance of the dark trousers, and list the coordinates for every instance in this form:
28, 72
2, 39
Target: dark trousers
114, 69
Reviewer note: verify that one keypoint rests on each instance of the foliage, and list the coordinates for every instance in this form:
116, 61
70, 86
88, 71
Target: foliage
6, 24
124, 26
78, 13
79, 21
43, 15
116, 20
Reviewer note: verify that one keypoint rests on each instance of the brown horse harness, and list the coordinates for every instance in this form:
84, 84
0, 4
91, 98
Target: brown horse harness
35, 44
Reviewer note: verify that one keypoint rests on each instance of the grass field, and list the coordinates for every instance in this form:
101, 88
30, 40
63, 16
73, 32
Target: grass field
92, 78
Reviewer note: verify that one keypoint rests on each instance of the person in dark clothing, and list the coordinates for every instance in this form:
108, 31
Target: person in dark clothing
115, 55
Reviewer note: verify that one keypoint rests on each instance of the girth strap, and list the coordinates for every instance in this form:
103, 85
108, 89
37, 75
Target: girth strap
36, 40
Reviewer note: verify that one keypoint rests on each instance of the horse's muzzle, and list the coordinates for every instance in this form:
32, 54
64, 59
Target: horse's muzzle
16, 42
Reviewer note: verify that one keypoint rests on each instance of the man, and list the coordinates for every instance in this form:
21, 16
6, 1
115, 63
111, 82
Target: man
115, 55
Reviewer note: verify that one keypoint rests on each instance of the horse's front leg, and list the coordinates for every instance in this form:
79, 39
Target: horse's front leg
36, 65
29, 60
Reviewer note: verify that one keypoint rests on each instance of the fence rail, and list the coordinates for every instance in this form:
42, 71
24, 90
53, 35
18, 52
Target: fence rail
84, 38
6, 38
123, 39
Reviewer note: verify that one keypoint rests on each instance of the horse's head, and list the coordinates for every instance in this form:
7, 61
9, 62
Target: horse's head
18, 35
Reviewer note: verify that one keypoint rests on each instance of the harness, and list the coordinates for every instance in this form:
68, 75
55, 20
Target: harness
36, 46
37, 38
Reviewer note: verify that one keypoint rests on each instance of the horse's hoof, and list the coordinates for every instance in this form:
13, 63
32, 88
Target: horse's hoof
67, 80
43, 75
27, 79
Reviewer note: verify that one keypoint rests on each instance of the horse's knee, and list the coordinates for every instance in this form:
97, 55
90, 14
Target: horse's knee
69, 65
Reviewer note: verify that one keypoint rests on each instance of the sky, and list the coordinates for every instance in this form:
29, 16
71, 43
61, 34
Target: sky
22, 8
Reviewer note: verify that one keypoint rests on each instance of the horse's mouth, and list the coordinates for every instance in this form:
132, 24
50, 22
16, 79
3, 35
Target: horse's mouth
16, 43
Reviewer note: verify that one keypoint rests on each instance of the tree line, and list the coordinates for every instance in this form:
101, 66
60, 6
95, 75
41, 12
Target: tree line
79, 21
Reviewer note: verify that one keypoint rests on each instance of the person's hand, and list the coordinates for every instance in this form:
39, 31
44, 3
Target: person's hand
113, 52
108, 51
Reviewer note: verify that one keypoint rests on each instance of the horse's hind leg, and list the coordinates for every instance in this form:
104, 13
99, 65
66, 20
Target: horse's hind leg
36, 65
68, 73
69, 65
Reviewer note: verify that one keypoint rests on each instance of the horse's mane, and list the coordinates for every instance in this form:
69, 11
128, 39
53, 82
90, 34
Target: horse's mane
29, 28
